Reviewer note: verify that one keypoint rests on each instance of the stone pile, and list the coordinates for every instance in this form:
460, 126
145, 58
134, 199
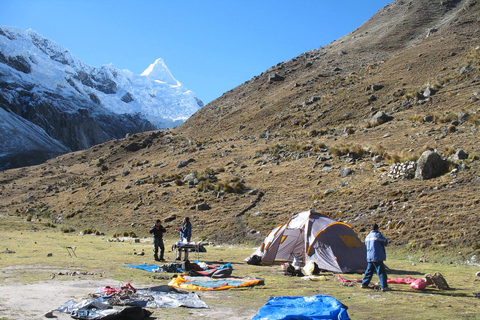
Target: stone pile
404, 170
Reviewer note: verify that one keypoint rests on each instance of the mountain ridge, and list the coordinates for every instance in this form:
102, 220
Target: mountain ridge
303, 134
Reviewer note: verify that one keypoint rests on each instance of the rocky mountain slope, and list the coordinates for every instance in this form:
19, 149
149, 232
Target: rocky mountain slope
71, 106
338, 129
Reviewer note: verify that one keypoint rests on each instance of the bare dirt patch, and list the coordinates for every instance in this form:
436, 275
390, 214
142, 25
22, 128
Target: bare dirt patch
32, 301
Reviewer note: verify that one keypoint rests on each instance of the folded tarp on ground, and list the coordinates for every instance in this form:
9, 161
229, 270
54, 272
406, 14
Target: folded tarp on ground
305, 308
154, 297
209, 284
96, 310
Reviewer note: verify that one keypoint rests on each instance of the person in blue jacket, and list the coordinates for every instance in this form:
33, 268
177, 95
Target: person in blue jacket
186, 230
376, 254
185, 237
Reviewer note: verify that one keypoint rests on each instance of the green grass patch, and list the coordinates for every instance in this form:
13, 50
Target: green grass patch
39, 254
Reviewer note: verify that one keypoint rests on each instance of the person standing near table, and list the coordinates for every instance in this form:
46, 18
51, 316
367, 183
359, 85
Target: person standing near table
186, 230
158, 230
376, 254
185, 236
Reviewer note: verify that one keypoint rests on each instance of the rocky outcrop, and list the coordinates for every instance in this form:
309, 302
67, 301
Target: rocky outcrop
16, 62
380, 118
275, 77
430, 165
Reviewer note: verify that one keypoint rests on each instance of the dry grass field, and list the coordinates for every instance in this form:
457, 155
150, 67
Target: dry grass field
33, 283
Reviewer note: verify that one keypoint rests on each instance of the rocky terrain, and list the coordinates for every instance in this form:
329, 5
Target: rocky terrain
380, 125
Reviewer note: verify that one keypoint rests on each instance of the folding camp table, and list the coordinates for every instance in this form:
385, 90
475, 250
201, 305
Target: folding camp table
187, 246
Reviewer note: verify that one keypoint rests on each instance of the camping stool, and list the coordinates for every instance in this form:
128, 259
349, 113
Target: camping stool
71, 251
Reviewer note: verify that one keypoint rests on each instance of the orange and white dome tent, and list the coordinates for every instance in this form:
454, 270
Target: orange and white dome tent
313, 236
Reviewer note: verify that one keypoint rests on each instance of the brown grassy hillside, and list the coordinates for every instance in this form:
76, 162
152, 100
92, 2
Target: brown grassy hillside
287, 137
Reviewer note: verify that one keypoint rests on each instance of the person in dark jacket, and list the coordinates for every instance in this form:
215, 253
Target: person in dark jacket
157, 230
376, 254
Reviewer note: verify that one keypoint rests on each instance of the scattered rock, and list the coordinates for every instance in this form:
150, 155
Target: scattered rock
428, 118
465, 69
380, 118
374, 87
182, 164
190, 177
377, 159
460, 155
170, 219
133, 147
463, 117
275, 77
345, 172
329, 191
430, 165
428, 92
203, 206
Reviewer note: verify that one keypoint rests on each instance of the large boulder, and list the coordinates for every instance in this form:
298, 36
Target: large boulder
430, 165
275, 77
380, 118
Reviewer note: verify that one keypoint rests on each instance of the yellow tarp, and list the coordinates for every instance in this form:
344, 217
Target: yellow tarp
210, 284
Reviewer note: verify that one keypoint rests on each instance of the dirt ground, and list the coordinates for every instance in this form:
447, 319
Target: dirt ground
33, 301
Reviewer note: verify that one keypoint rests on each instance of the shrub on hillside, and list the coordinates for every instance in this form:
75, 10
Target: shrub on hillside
67, 229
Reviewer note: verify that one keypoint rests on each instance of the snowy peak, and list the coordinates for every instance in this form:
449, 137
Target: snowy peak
77, 105
155, 95
159, 72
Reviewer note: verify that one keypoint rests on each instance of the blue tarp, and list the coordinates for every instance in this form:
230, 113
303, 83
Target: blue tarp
302, 308
157, 268
146, 267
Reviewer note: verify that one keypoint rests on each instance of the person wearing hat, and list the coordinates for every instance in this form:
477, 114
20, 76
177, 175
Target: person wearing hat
157, 230
376, 254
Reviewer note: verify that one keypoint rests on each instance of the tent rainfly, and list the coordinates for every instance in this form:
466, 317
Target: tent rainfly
313, 236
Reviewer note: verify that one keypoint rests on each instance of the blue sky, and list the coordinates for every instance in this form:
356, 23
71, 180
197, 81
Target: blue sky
210, 46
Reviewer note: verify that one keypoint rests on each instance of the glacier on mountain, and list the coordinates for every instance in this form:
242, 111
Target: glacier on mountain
47, 89
155, 94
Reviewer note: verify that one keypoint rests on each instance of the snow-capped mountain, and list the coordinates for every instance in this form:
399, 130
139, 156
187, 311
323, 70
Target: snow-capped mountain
51, 102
